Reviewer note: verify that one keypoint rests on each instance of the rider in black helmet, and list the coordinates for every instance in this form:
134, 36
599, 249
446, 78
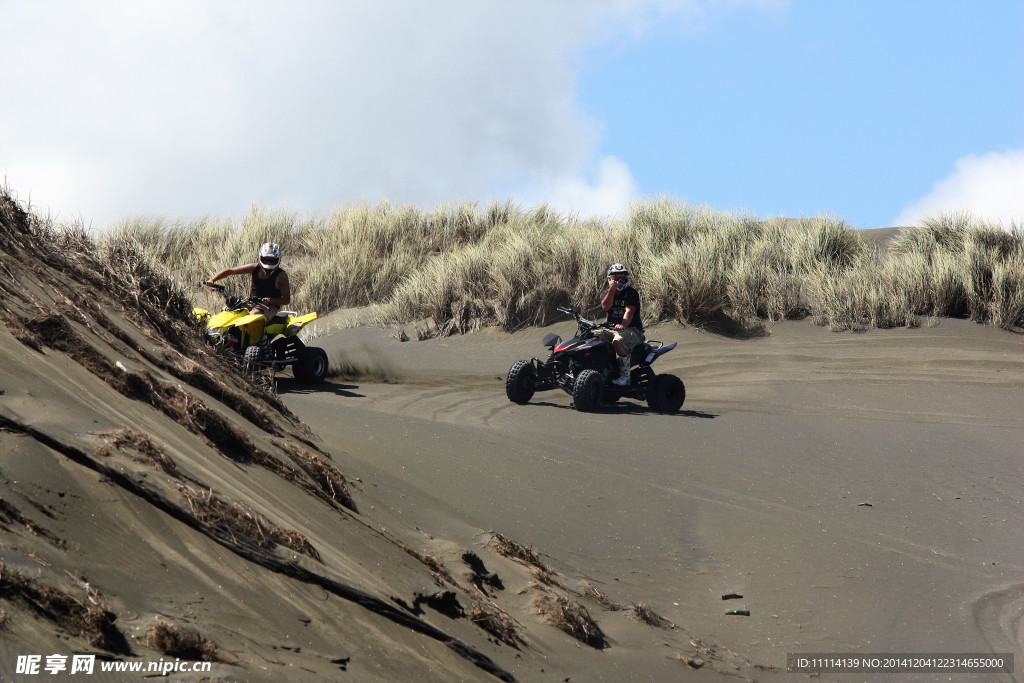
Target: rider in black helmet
622, 302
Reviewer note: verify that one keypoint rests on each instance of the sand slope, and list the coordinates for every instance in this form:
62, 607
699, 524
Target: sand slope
142, 484
153, 505
861, 491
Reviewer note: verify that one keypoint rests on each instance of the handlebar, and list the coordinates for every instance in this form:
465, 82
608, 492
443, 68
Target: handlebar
235, 302
583, 322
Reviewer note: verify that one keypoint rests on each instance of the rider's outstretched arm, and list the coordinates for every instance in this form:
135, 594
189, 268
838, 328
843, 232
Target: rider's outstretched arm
237, 270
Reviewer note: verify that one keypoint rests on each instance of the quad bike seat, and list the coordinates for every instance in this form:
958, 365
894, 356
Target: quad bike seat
281, 317
276, 325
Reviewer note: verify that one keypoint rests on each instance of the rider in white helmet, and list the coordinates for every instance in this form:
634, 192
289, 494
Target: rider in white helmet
622, 302
269, 281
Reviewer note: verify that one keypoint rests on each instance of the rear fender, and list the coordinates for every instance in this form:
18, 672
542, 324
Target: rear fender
654, 353
296, 323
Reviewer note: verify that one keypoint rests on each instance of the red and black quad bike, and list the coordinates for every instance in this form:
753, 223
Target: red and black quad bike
584, 367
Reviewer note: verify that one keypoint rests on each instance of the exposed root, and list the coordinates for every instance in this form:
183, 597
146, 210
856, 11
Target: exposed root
17, 329
513, 550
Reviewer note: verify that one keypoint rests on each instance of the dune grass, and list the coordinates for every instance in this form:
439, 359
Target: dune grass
463, 266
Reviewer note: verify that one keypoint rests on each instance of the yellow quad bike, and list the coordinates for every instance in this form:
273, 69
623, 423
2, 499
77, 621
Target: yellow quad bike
262, 344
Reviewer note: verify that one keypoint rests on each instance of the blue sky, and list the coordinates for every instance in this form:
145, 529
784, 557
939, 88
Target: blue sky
850, 107
878, 111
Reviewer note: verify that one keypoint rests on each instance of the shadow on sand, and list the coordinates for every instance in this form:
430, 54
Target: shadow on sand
627, 408
288, 385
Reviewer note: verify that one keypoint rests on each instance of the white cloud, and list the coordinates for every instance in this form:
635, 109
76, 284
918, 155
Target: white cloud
608, 195
990, 186
183, 108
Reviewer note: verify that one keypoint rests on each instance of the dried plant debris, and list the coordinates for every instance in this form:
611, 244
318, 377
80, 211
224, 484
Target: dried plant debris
643, 613
146, 449
497, 623
18, 330
328, 480
86, 617
594, 593
526, 556
241, 524
513, 550
573, 618
175, 641
432, 563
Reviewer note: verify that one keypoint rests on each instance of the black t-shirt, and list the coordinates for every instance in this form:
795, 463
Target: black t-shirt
265, 287
627, 297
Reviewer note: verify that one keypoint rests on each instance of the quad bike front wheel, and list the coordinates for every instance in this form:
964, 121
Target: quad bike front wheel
311, 367
521, 382
253, 358
586, 392
666, 394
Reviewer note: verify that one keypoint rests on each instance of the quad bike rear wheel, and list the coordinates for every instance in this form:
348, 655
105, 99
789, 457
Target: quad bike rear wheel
311, 366
586, 392
666, 394
521, 382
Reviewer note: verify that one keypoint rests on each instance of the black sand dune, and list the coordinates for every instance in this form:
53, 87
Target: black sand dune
861, 492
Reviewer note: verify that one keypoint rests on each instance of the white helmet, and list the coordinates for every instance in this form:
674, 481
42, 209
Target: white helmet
270, 256
617, 269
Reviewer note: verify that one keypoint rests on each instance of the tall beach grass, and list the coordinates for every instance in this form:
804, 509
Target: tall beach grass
466, 266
